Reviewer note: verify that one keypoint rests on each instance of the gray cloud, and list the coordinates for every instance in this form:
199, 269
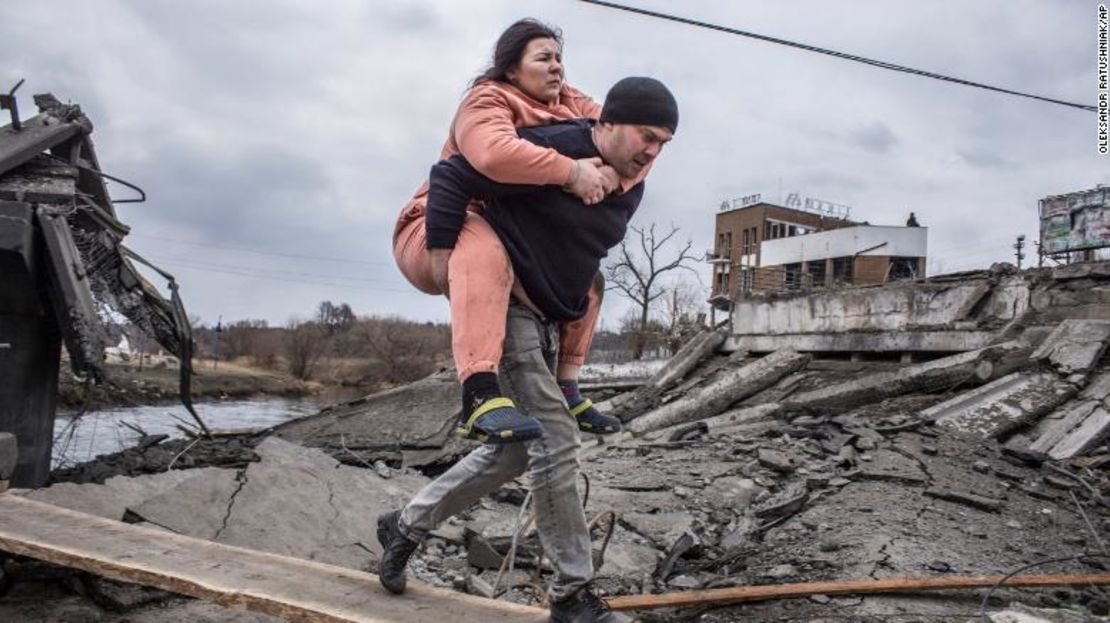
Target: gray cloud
876, 137
301, 131
983, 157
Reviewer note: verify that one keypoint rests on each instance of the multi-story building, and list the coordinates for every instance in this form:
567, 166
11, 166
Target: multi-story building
763, 247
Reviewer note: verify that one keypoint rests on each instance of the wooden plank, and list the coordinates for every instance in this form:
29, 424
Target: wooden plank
740, 594
294, 589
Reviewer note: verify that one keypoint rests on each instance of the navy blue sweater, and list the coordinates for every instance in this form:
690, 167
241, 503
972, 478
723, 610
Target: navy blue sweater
555, 242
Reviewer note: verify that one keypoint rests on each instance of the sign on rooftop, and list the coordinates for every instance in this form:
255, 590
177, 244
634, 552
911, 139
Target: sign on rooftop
818, 206
795, 201
1076, 221
741, 202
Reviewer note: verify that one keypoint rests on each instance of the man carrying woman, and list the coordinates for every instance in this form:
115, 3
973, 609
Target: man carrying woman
524, 86
554, 242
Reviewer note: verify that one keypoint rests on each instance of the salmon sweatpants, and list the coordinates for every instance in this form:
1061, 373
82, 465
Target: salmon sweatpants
480, 278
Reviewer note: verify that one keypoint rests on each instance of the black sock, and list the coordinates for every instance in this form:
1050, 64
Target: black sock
479, 387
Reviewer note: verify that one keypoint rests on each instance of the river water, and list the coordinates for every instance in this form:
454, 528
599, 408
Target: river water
79, 439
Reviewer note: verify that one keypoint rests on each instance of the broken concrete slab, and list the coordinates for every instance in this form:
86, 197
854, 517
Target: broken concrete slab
662, 499
1020, 613
686, 359
724, 422
112, 499
628, 556
1075, 346
413, 417
732, 493
784, 503
208, 499
775, 460
863, 342
970, 499
1056, 425
890, 466
931, 375
895, 307
662, 529
1092, 430
1002, 405
729, 388
1098, 388
495, 521
295, 501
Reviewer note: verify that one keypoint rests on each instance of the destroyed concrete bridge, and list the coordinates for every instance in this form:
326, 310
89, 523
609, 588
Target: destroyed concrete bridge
926, 430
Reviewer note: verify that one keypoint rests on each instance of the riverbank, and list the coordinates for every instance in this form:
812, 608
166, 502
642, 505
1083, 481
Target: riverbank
127, 385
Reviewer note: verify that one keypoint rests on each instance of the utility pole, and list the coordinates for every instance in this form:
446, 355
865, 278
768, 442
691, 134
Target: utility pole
1019, 246
219, 330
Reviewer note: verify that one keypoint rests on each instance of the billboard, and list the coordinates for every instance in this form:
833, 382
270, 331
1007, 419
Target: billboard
1075, 221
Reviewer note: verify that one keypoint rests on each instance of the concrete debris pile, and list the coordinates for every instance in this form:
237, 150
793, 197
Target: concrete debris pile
738, 467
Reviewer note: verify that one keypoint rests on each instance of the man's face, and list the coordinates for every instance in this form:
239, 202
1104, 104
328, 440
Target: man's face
630, 148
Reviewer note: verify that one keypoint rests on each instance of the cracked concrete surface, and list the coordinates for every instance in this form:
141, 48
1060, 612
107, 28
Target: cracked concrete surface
274, 505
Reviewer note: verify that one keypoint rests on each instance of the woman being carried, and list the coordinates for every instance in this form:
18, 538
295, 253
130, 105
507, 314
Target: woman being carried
524, 86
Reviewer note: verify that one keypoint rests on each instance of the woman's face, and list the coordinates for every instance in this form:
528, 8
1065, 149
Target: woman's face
540, 72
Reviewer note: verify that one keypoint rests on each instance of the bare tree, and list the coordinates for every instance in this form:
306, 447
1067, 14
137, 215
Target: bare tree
400, 350
304, 345
334, 317
636, 273
679, 315
239, 337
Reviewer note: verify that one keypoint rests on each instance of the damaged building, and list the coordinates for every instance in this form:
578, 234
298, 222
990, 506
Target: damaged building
931, 434
763, 248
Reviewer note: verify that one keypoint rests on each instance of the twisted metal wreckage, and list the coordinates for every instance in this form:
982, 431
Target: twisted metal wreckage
64, 272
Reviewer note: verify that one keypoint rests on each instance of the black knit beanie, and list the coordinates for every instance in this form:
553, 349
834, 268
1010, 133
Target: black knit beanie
640, 101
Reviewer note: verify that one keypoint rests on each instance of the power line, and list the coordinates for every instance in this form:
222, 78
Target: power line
261, 252
834, 53
262, 271
189, 266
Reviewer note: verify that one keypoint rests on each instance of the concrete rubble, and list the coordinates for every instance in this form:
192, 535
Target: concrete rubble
739, 468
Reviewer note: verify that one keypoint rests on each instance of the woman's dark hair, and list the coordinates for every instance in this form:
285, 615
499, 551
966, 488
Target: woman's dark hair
510, 47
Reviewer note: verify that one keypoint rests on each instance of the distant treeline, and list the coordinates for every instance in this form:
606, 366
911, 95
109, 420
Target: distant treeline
335, 346
338, 347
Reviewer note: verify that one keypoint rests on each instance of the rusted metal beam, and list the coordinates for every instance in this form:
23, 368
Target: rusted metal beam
742, 594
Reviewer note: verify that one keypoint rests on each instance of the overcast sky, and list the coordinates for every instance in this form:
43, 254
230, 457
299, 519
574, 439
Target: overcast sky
277, 141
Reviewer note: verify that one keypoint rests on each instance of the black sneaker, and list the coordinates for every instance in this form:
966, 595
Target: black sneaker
582, 606
396, 551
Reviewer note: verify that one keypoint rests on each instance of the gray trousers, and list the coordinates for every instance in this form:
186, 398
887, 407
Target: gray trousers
527, 374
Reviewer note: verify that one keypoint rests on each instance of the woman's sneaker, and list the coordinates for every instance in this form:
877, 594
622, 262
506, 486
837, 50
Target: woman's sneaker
590, 420
489, 416
497, 421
